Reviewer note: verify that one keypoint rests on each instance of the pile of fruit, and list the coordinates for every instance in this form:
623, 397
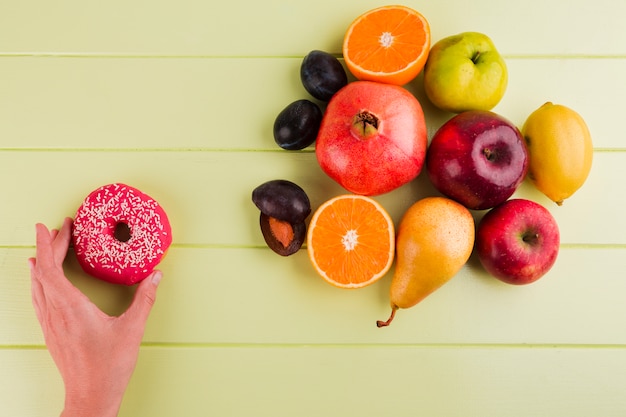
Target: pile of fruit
372, 138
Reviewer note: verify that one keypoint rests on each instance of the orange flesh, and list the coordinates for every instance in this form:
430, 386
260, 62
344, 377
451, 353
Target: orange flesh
389, 44
351, 243
390, 47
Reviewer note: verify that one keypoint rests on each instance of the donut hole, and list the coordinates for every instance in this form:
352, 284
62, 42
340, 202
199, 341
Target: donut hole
122, 232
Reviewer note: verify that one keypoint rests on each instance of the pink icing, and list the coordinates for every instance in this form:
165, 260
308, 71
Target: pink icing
104, 256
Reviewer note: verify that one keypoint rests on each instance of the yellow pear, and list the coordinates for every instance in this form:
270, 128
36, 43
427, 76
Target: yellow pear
435, 239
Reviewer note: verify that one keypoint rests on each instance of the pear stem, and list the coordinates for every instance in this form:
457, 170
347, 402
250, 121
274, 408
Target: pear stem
381, 323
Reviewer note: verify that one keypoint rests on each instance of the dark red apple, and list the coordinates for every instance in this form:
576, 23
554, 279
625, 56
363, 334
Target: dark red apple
477, 158
372, 138
517, 241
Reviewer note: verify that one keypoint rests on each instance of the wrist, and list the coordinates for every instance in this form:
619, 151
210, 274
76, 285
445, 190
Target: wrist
84, 403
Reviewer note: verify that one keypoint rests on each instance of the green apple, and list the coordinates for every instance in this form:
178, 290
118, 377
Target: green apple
465, 72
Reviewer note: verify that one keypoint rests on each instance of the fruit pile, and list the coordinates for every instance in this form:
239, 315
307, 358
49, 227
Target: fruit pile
371, 138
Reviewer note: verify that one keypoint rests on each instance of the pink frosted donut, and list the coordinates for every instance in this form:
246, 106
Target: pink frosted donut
120, 234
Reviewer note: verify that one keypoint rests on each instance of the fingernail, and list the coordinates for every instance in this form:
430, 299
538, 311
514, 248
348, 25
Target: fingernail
156, 277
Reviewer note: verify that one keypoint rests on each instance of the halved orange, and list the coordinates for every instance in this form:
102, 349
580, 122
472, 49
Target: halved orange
387, 44
351, 241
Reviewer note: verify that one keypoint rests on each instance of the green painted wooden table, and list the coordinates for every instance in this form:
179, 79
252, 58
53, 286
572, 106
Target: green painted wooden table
178, 98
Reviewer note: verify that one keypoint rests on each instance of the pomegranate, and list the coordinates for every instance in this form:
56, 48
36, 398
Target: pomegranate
372, 138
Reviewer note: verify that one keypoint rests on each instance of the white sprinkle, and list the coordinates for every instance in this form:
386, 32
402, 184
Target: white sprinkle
94, 227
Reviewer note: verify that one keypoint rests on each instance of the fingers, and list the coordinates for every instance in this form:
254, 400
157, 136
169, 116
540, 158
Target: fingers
52, 245
44, 252
38, 298
144, 299
37, 295
61, 241
47, 267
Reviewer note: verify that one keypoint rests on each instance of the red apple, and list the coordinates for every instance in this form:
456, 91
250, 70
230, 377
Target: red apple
517, 241
372, 138
477, 158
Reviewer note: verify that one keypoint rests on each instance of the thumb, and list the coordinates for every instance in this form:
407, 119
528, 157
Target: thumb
145, 296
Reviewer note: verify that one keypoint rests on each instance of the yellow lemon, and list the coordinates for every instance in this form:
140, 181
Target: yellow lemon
560, 150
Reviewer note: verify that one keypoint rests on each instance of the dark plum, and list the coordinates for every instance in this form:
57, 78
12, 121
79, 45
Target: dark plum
296, 126
284, 206
282, 237
322, 75
283, 200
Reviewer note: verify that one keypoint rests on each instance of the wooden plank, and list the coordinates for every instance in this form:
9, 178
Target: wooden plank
207, 195
341, 380
281, 27
138, 104
249, 296
229, 103
179, 98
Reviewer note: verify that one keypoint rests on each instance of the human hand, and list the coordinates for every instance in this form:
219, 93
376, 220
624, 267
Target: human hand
94, 352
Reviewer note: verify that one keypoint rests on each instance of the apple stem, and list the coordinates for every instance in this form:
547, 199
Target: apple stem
475, 57
381, 323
